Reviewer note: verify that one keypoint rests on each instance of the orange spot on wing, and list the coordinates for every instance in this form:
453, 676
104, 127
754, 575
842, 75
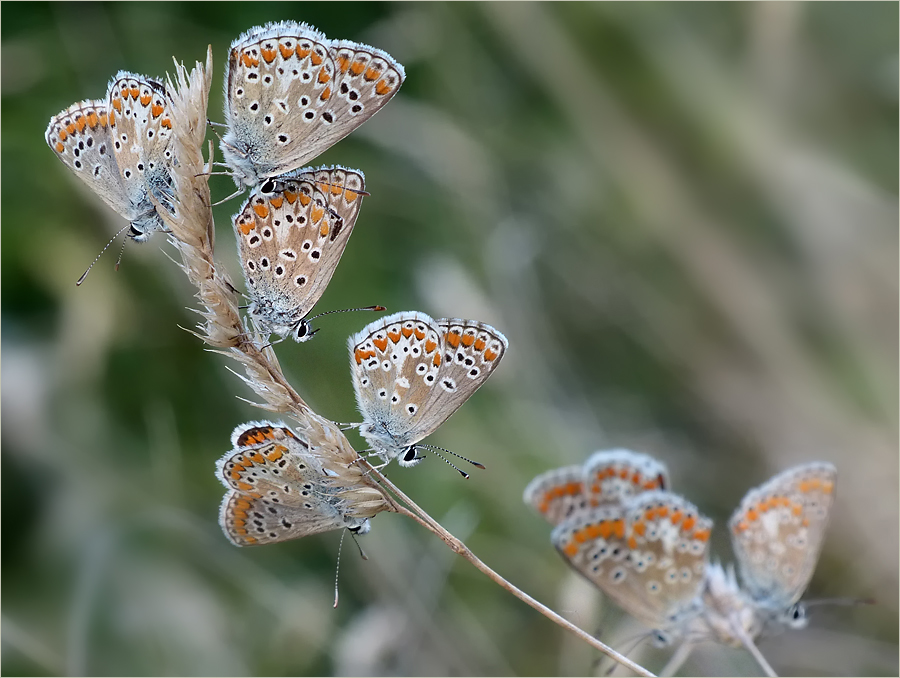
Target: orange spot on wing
166, 123
420, 335
277, 202
688, 523
343, 63
350, 196
146, 99
394, 335
277, 453
632, 542
316, 59
489, 355
372, 74
570, 550
80, 123
245, 228
805, 486
268, 54
286, 51
639, 528
752, 515
619, 528
382, 88
135, 92
156, 110
676, 517
103, 120
59, 147
70, 128
437, 360
357, 67
430, 345
63, 135
326, 95
593, 531
323, 77
112, 118
479, 344
468, 339
380, 344
701, 535
304, 199
246, 60
92, 119
324, 230
290, 197
452, 338
261, 211
827, 487
407, 332
316, 213
117, 104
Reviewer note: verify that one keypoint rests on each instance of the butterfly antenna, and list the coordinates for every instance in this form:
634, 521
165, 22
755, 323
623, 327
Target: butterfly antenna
678, 658
438, 454
233, 195
345, 310
637, 641
747, 642
337, 568
851, 602
118, 233
121, 252
435, 447
362, 554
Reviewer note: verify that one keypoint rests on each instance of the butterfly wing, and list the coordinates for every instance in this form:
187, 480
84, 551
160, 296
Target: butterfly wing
557, 494
141, 130
291, 93
80, 136
778, 530
286, 249
395, 364
648, 554
614, 475
471, 352
277, 488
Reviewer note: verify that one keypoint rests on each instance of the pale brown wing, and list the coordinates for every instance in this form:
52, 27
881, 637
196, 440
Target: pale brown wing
291, 94
395, 365
778, 531
471, 352
649, 555
611, 476
80, 137
557, 494
285, 246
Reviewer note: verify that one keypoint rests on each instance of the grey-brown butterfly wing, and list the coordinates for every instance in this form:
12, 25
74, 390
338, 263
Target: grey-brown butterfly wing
648, 554
778, 531
395, 362
284, 238
278, 489
80, 137
471, 352
557, 494
291, 94
612, 476
142, 129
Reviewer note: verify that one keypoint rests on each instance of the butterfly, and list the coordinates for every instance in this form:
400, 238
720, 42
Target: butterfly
608, 476
291, 93
280, 489
411, 372
120, 148
291, 238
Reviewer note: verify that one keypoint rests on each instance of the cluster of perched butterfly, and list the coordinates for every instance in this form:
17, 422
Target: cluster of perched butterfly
618, 524
291, 93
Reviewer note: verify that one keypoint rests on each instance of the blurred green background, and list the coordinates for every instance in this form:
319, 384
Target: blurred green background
683, 217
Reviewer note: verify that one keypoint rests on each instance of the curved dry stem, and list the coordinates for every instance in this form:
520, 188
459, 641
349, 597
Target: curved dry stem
193, 234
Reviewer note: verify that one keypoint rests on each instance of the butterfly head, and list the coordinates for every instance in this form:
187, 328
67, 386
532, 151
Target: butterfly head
303, 331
